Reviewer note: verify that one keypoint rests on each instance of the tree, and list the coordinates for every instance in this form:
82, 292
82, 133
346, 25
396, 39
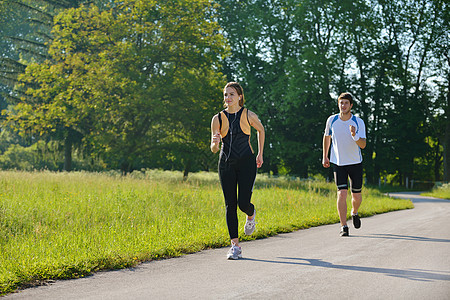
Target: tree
412, 28
26, 37
440, 70
121, 78
297, 56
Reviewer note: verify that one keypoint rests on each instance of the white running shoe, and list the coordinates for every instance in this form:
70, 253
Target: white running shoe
250, 225
235, 252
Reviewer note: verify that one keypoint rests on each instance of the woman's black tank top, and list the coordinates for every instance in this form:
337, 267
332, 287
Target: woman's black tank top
235, 143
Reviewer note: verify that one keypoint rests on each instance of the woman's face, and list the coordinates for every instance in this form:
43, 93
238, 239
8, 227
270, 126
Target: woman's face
230, 97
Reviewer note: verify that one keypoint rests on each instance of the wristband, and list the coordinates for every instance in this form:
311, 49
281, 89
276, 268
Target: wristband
355, 137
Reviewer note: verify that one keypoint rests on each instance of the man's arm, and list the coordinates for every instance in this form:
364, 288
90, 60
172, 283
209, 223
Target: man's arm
359, 141
326, 147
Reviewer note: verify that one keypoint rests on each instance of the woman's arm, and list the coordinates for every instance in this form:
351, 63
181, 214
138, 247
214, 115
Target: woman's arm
215, 134
256, 123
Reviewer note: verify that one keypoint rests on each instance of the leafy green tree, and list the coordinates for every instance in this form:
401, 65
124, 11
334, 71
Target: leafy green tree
412, 28
284, 56
312, 67
359, 32
297, 56
259, 33
439, 119
124, 79
26, 36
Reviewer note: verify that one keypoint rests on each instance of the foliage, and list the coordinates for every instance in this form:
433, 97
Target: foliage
43, 155
120, 79
68, 225
297, 56
440, 191
26, 38
135, 83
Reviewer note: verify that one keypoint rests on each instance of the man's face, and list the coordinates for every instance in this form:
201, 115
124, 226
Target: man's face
344, 106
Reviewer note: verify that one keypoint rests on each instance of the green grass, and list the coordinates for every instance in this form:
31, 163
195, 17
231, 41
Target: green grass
441, 191
68, 225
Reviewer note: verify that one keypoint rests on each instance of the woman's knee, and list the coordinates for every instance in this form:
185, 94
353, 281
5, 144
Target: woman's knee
246, 207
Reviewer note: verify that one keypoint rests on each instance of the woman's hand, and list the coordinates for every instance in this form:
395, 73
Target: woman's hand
216, 138
259, 160
215, 141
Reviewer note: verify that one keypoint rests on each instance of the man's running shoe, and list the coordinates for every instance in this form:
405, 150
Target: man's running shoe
344, 231
356, 221
250, 225
235, 252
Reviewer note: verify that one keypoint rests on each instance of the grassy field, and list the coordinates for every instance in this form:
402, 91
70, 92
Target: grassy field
68, 225
441, 191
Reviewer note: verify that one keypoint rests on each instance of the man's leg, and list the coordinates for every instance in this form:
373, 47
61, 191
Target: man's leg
356, 180
355, 173
356, 202
340, 178
342, 206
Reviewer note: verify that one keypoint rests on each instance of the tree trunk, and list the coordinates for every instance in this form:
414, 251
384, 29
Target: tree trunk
437, 162
125, 167
446, 145
187, 168
68, 153
446, 142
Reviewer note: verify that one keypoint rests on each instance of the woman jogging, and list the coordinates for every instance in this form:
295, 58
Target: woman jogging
237, 163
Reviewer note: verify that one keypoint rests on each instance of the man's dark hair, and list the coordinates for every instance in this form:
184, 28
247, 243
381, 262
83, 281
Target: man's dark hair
347, 96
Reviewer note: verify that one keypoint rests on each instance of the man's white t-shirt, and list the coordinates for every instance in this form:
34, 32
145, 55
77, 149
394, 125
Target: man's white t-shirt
344, 150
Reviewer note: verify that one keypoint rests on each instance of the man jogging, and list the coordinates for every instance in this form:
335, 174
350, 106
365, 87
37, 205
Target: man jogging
347, 135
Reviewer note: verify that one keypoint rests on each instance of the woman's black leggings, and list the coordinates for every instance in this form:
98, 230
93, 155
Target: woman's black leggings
237, 173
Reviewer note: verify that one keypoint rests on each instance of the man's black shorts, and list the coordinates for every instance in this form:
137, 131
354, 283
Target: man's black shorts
342, 173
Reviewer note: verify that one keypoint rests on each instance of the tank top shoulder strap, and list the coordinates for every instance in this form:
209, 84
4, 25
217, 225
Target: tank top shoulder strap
223, 123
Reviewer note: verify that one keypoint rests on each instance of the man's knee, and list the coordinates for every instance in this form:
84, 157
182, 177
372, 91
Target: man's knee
356, 195
342, 194
356, 190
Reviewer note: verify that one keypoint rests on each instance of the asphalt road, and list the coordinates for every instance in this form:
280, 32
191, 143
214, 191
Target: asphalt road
398, 255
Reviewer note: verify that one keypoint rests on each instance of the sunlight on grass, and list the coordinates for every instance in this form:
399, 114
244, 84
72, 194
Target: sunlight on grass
68, 225
440, 191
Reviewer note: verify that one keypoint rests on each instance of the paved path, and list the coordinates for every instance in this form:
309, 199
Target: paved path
398, 255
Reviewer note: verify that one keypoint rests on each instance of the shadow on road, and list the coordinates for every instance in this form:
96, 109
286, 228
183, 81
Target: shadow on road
416, 197
411, 274
432, 200
401, 237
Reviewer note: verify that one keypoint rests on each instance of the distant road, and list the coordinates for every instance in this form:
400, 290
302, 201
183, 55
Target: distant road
398, 255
